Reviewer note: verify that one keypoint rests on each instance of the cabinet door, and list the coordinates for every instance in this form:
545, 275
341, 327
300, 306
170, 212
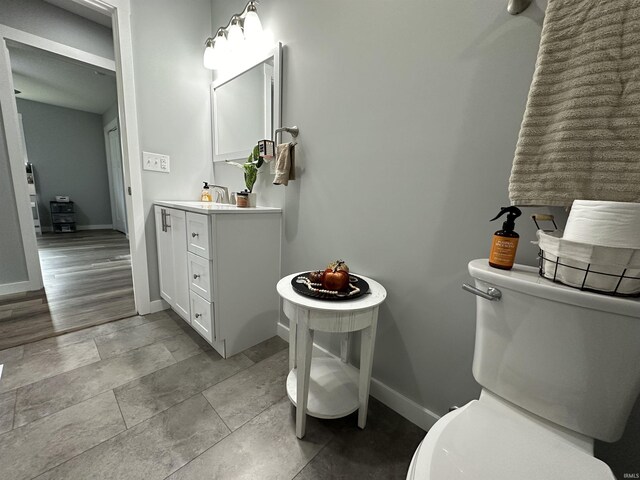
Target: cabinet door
165, 255
180, 265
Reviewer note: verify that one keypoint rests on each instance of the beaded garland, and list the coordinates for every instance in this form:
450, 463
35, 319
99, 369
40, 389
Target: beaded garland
312, 286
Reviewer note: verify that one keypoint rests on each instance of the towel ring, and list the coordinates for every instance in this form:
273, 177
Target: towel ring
293, 131
518, 6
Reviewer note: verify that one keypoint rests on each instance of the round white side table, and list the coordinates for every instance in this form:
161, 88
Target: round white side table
329, 388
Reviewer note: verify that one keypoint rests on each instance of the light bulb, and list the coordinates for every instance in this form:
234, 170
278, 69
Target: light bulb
216, 52
252, 27
221, 50
235, 37
221, 46
209, 57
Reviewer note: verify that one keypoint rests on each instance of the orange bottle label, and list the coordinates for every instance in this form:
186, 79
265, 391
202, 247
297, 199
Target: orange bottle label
503, 251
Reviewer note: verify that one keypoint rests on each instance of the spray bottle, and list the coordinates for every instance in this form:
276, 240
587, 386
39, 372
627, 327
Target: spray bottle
505, 241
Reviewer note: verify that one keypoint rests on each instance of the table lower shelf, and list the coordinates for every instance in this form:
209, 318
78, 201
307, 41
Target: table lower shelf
333, 388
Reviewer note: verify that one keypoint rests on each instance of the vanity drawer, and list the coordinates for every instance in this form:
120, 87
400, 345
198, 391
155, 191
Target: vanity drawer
198, 234
200, 276
202, 316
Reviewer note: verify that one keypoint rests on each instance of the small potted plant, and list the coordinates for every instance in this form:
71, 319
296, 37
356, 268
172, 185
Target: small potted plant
250, 168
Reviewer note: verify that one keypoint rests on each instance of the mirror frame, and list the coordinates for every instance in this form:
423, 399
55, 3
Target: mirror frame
276, 54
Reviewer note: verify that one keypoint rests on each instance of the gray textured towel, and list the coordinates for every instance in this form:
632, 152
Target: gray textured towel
580, 136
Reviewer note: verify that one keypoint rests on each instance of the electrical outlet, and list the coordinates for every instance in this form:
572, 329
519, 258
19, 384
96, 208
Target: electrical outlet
155, 162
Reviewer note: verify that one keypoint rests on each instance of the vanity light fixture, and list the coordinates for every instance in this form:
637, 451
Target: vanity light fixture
242, 27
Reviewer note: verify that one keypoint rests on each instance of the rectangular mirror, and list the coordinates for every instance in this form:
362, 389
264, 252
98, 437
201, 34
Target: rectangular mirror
246, 107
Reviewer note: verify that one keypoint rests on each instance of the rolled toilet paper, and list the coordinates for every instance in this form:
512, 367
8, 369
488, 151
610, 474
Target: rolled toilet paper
582, 265
610, 224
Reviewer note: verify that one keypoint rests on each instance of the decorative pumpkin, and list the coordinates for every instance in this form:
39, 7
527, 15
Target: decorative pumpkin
336, 276
316, 277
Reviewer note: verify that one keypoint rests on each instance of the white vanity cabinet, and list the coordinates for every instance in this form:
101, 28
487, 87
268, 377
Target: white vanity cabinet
231, 266
172, 259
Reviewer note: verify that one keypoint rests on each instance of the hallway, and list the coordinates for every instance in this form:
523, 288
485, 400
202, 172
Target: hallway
87, 282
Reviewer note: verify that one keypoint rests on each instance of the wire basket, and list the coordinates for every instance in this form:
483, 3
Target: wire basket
593, 268
558, 270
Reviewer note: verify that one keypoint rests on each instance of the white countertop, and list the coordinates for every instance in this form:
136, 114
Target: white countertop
212, 207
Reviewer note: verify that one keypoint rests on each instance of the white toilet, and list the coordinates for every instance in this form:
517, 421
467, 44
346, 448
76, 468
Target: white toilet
559, 368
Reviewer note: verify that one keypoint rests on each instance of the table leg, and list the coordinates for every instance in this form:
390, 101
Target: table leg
367, 344
304, 347
344, 347
292, 344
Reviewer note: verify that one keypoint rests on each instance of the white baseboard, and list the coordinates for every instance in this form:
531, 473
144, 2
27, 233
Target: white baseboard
417, 414
17, 287
94, 227
157, 306
283, 332
83, 227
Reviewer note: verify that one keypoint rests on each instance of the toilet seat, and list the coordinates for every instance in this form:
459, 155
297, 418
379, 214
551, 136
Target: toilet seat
489, 439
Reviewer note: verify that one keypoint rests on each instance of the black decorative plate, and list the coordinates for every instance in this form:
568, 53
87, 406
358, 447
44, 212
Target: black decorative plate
302, 285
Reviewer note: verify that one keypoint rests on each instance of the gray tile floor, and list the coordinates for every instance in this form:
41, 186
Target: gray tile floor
145, 397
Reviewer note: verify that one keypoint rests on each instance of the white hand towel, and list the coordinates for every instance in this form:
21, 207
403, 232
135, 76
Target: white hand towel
285, 164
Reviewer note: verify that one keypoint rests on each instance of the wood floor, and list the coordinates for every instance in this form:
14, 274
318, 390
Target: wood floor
87, 279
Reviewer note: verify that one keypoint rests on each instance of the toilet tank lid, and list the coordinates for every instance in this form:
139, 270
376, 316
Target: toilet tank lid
526, 279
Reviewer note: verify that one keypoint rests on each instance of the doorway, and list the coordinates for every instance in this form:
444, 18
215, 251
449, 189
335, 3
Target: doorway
68, 114
25, 293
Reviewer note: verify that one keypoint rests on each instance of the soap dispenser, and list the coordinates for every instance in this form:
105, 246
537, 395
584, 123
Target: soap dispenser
505, 241
205, 196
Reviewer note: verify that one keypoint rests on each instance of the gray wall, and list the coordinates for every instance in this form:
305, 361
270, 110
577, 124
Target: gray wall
409, 113
110, 114
411, 109
174, 114
13, 267
48, 21
67, 150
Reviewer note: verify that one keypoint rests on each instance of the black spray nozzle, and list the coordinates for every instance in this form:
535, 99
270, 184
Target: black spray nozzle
512, 214
206, 186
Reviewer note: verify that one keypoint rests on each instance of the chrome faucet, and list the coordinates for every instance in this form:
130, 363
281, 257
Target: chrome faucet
220, 193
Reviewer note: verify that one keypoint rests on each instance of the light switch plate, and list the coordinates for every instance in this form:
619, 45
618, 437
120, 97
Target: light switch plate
155, 162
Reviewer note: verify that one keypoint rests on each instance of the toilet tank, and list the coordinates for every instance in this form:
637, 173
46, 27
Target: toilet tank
569, 356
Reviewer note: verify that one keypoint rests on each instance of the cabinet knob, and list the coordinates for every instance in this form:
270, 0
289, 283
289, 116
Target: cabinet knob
198, 315
194, 235
196, 276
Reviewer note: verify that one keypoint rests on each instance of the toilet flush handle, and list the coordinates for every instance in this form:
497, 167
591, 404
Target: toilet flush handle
492, 293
